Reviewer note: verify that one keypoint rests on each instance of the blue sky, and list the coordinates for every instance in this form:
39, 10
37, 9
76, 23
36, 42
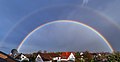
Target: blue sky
19, 17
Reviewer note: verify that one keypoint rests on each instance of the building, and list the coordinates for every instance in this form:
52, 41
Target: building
43, 58
48, 57
67, 56
6, 58
21, 57
39, 59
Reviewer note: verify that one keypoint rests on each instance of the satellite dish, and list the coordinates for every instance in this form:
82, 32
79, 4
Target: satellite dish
14, 51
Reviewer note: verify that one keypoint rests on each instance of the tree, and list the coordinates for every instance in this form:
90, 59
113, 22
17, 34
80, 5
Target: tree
40, 51
87, 56
14, 52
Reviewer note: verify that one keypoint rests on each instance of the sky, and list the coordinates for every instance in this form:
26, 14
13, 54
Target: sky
64, 35
19, 17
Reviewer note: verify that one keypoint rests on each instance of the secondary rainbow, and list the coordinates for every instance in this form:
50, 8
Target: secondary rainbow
100, 35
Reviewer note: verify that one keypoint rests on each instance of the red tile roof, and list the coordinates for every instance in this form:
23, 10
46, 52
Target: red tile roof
65, 55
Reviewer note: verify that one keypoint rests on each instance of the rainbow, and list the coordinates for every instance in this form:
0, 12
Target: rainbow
105, 16
100, 35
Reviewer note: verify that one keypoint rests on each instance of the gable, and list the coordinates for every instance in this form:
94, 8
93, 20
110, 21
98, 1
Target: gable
23, 57
38, 58
71, 57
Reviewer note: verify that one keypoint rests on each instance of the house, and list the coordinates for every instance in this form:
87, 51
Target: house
55, 56
21, 57
43, 57
47, 57
67, 56
6, 58
39, 59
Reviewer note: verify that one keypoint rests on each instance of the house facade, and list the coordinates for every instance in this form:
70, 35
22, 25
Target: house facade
43, 57
39, 59
67, 56
23, 57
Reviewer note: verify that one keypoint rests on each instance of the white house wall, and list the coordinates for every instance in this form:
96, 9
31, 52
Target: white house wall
71, 57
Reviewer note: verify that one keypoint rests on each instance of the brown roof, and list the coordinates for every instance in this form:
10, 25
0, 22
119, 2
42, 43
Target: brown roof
53, 55
7, 57
3, 56
45, 56
48, 56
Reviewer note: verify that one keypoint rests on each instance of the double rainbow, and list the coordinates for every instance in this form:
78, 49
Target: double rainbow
100, 35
